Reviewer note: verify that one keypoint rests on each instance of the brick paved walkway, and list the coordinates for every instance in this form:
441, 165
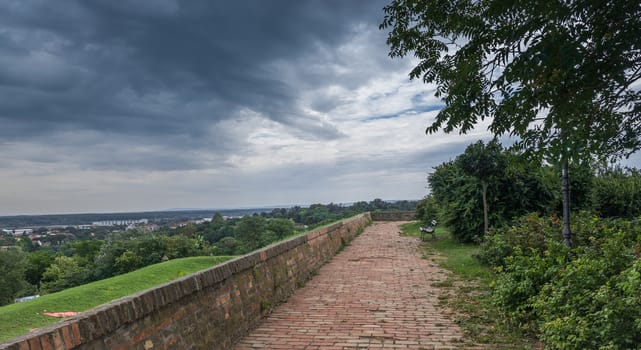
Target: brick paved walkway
377, 293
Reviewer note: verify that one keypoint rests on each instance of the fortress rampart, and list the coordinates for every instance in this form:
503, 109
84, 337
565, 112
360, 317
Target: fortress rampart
210, 309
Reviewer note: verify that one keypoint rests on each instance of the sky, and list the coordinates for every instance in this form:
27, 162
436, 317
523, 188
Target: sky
117, 106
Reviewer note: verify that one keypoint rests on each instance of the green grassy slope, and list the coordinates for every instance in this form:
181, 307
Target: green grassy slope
18, 319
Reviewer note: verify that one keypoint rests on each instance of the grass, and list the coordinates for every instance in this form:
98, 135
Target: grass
468, 291
18, 319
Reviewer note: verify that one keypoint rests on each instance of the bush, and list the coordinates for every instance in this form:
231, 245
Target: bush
530, 233
617, 193
521, 279
13, 264
588, 297
427, 210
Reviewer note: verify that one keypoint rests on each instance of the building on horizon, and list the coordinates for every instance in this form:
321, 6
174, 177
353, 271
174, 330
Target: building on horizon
18, 231
120, 222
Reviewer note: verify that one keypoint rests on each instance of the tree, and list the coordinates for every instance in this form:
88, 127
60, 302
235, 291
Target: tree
558, 75
128, 261
188, 230
217, 221
457, 195
37, 263
378, 204
64, 272
510, 191
180, 246
84, 251
26, 244
105, 261
12, 267
217, 229
280, 228
483, 162
249, 232
227, 246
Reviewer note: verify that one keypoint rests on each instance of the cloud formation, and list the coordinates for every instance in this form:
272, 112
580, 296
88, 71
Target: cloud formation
138, 105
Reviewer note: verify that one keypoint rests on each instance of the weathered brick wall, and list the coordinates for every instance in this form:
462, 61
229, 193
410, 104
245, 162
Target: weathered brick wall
210, 309
393, 215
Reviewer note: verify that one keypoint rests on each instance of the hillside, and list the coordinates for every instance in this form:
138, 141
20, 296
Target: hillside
18, 319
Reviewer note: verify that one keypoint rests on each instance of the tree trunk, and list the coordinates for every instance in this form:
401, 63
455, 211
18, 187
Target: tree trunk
565, 186
485, 219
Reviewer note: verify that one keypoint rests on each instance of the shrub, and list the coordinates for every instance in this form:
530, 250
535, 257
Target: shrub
521, 279
617, 193
588, 297
427, 210
593, 302
530, 233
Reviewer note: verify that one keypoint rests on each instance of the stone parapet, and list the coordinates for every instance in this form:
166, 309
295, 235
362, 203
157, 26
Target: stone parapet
210, 309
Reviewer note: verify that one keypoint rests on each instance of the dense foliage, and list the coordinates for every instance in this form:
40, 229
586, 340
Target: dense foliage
513, 188
75, 259
562, 77
518, 186
320, 214
12, 268
588, 297
617, 193
559, 75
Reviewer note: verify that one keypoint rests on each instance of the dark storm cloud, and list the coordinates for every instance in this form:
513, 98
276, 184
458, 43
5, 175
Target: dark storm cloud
163, 69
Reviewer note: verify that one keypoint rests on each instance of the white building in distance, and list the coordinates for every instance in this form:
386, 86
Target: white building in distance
19, 231
120, 222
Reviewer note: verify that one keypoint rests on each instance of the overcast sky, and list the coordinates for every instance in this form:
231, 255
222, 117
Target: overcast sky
148, 105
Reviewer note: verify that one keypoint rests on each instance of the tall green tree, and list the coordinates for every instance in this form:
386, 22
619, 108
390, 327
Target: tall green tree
557, 75
483, 162
472, 199
12, 268
64, 272
249, 232
458, 197
26, 244
280, 228
37, 263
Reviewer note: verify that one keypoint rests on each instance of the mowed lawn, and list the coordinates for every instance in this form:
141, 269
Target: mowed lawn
18, 319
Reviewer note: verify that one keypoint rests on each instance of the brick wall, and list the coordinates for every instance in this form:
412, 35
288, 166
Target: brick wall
210, 309
393, 215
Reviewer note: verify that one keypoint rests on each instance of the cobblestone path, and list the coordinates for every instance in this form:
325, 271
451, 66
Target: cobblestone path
377, 293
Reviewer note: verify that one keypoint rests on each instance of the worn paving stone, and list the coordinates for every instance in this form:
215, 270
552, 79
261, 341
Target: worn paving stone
377, 293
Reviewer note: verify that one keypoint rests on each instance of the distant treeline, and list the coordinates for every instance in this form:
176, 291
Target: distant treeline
324, 213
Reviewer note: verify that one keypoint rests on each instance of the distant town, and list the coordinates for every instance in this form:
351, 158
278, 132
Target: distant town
48, 230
